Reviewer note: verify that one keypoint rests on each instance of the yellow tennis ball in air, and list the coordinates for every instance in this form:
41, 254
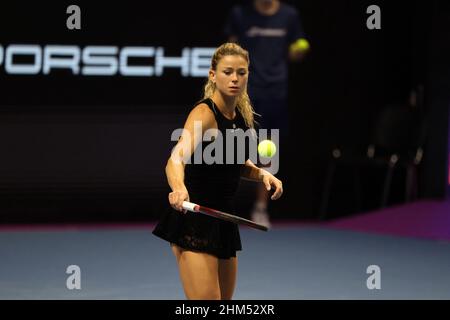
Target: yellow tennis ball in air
300, 45
267, 149
303, 44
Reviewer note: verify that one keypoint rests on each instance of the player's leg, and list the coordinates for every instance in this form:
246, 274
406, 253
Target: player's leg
199, 274
274, 113
227, 277
260, 213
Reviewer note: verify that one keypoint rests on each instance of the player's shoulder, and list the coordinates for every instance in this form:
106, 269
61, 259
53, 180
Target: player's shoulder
202, 107
202, 111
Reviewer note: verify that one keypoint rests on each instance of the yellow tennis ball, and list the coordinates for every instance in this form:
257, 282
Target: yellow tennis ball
267, 149
303, 44
300, 45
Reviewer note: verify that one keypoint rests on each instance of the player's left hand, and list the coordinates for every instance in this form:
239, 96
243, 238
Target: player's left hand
270, 181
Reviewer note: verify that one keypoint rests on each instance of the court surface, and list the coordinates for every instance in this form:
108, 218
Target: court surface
292, 261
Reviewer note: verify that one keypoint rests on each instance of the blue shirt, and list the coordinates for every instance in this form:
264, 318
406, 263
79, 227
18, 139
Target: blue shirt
267, 39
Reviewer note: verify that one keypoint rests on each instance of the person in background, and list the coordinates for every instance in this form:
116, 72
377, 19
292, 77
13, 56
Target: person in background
272, 33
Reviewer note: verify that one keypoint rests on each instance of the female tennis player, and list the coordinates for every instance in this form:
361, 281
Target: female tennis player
205, 247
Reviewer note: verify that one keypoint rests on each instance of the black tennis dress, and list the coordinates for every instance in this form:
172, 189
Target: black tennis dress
210, 185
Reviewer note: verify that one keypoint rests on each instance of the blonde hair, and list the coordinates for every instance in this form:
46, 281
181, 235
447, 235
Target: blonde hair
243, 102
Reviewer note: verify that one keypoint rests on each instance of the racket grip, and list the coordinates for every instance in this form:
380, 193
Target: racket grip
190, 206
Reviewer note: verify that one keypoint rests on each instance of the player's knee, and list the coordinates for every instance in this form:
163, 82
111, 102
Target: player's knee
213, 295
226, 296
206, 294
226, 291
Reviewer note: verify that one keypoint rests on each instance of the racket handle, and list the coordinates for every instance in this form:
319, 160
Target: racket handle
190, 206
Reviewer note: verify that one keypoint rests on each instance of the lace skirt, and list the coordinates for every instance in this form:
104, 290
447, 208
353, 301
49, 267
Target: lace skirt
201, 233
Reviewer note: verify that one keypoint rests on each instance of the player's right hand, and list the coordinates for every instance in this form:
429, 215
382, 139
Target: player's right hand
176, 199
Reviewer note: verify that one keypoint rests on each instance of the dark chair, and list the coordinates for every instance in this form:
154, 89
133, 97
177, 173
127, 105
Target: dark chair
397, 139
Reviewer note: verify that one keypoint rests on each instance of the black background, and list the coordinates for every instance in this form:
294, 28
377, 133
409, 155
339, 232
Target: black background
79, 147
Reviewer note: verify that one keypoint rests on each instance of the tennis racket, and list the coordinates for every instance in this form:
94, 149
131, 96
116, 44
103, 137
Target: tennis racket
193, 207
